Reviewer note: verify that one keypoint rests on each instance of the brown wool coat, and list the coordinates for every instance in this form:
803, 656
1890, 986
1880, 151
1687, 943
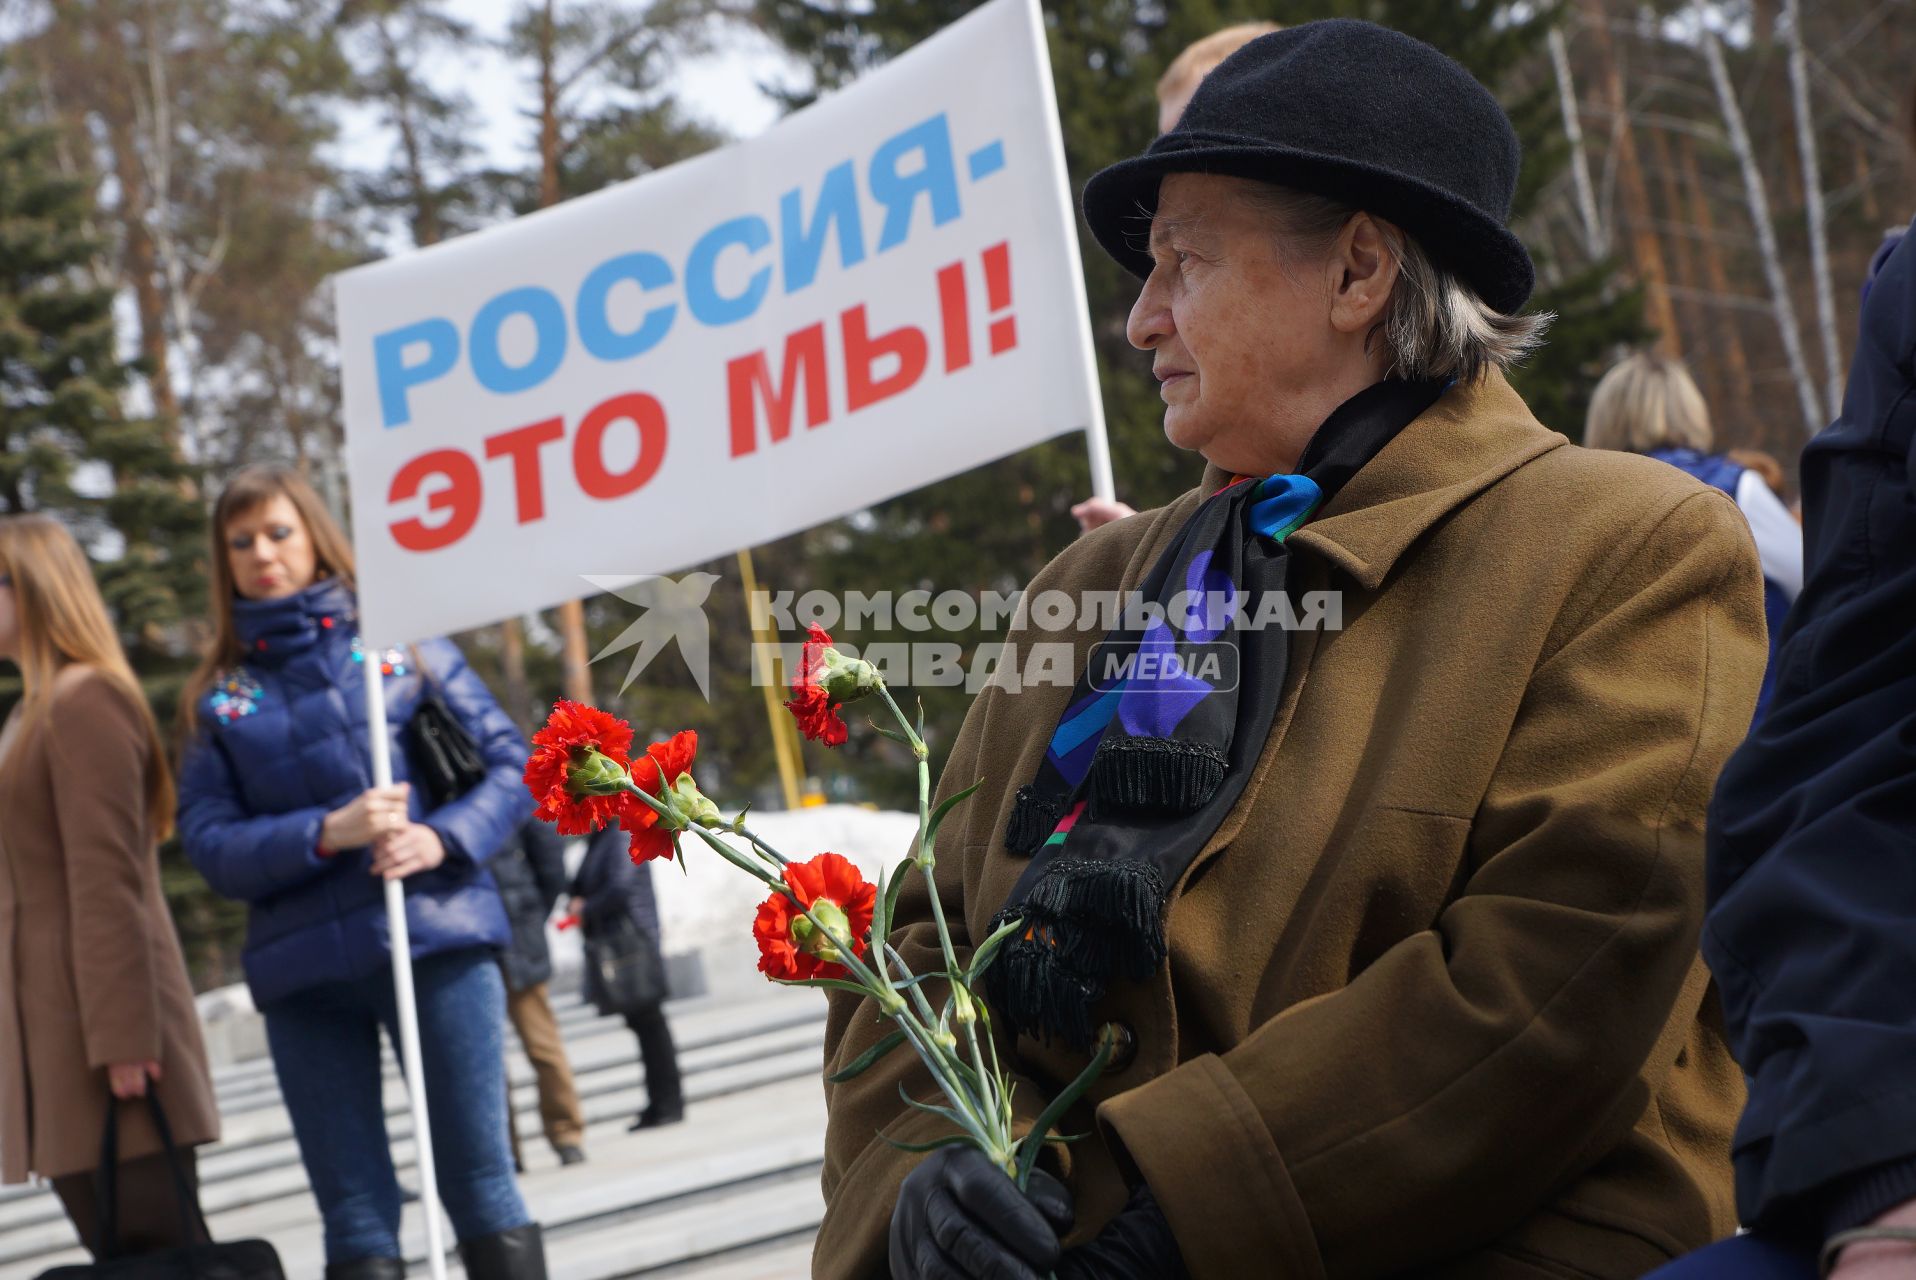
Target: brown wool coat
91, 971
1433, 1004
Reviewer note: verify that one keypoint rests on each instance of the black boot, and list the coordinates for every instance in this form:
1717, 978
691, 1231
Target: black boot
367, 1269
518, 1254
654, 1116
664, 1088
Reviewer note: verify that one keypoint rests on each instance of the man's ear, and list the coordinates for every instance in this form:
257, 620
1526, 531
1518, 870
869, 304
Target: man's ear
1364, 268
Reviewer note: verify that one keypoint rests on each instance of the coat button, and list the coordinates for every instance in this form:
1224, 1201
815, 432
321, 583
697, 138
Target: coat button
1126, 1050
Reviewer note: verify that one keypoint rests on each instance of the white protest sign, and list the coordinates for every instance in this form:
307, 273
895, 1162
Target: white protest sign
882, 290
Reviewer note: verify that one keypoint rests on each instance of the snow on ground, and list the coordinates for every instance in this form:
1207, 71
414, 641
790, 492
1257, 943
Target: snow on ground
712, 900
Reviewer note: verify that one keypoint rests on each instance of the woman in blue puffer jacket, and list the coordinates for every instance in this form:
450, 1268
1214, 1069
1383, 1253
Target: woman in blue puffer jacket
277, 809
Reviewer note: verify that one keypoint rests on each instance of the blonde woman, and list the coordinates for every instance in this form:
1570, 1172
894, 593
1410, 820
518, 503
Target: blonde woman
278, 810
1649, 404
95, 1008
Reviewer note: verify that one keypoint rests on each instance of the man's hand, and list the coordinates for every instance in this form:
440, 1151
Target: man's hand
128, 1079
959, 1217
1881, 1259
411, 849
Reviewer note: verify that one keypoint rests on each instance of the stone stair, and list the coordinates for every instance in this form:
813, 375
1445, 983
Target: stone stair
731, 1194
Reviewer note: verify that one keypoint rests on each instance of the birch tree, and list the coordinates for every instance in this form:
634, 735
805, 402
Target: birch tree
1833, 369
1757, 198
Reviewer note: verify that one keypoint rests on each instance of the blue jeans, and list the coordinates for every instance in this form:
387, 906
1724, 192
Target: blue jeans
325, 1043
1740, 1258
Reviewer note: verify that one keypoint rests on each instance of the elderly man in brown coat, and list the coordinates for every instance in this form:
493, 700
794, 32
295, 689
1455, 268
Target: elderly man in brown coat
1398, 928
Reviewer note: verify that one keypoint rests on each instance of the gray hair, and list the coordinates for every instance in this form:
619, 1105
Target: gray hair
1434, 324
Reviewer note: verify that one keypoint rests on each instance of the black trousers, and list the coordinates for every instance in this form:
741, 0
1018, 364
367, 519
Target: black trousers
149, 1213
664, 1090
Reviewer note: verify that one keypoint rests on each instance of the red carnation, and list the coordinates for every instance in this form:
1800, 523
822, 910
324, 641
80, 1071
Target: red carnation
790, 947
655, 772
827, 680
817, 714
573, 737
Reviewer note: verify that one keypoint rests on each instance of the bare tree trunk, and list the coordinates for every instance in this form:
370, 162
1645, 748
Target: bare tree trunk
1593, 238
1866, 183
1683, 254
512, 659
577, 655
140, 265
1647, 252
1813, 204
155, 114
1759, 203
1735, 374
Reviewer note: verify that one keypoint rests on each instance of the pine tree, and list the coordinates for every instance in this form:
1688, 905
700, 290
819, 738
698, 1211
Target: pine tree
65, 446
67, 450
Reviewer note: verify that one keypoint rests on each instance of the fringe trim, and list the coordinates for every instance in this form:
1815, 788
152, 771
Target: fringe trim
1155, 775
1086, 921
1034, 816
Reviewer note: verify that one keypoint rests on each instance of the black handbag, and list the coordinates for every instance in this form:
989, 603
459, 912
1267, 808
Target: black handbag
624, 968
444, 756
234, 1260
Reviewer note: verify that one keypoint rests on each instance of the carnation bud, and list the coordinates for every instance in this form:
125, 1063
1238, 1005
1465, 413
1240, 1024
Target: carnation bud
690, 804
846, 679
593, 773
815, 941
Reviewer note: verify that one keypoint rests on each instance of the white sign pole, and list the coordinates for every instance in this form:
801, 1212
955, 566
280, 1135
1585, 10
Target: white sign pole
409, 1054
1095, 439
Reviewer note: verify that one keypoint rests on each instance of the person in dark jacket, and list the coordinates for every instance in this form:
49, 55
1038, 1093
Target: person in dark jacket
612, 899
278, 810
530, 870
1812, 925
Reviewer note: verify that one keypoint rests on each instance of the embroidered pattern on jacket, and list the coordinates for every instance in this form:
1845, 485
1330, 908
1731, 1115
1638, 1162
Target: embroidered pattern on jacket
236, 694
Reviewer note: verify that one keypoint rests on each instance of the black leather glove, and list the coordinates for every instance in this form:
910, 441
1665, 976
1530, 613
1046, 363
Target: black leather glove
960, 1218
1135, 1245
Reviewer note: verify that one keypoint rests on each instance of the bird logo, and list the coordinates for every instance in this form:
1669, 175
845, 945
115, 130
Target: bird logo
674, 612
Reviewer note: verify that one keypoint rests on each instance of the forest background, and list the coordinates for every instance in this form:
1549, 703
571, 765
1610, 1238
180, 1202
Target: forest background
180, 179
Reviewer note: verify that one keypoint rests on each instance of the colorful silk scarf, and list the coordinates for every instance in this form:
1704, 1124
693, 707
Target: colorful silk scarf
1162, 730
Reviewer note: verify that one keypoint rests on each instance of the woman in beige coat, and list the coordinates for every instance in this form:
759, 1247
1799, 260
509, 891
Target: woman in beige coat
94, 1001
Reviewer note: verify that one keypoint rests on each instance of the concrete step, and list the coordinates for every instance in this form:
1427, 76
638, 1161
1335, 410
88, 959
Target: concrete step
735, 1186
605, 1062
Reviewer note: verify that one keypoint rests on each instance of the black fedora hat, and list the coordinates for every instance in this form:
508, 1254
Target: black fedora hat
1355, 112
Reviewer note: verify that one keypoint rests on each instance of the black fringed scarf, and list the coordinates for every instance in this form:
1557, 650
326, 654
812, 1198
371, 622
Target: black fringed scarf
1162, 731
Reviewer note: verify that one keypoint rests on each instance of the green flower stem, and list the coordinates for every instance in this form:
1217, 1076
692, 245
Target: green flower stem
997, 1100
978, 1122
990, 1079
725, 851
848, 956
760, 845
918, 995
927, 859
